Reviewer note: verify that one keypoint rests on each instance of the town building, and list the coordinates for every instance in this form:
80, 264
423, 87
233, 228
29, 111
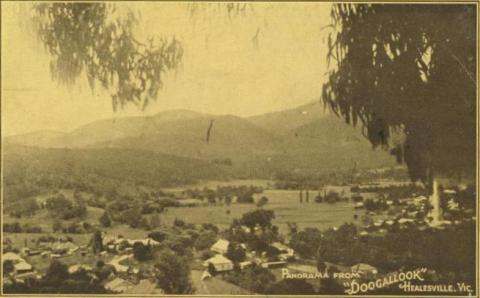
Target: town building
220, 263
285, 251
221, 246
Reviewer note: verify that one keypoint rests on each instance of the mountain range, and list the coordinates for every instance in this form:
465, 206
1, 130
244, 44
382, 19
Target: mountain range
304, 138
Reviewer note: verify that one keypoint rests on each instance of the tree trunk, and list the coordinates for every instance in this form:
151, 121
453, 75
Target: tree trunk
436, 212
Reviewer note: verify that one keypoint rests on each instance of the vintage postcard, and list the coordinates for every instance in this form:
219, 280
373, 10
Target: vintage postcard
239, 148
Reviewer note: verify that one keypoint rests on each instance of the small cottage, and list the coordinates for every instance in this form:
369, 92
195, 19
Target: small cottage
221, 246
220, 263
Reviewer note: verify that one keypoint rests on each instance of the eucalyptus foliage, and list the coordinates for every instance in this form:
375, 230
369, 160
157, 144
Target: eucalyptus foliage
90, 38
408, 70
229, 9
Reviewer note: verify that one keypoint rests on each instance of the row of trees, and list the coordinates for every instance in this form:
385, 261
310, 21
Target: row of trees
19, 228
225, 194
318, 179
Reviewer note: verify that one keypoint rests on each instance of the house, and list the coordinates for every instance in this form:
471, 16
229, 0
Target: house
108, 239
364, 269
23, 267
449, 191
10, 256
75, 268
118, 285
452, 205
245, 264
220, 263
146, 242
245, 229
20, 265
221, 246
25, 251
418, 201
285, 251
413, 213
405, 220
277, 264
27, 275
359, 205
115, 262
64, 248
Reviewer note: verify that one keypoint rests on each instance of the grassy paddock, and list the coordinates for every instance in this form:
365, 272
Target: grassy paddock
285, 204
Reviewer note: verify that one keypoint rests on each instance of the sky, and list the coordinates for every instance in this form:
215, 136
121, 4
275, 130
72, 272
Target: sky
222, 71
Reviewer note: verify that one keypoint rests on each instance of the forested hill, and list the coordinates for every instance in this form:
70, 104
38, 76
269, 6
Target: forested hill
306, 139
72, 167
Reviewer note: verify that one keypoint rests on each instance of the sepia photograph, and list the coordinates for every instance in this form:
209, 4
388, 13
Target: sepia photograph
273, 148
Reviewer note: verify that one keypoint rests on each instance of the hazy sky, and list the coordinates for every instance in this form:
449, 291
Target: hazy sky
222, 71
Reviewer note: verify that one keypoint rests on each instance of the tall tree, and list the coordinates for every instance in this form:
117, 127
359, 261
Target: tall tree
173, 273
407, 74
105, 219
235, 252
261, 217
96, 242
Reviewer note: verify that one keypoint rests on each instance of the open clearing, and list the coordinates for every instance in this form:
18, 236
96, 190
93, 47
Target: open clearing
285, 204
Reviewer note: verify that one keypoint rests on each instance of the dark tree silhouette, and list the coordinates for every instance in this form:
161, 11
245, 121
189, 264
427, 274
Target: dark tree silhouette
141, 252
261, 217
105, 219
407, 72
8, 267
96, 242
235, 252
173, 274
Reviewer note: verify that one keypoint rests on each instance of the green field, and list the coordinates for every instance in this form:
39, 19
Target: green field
285, 204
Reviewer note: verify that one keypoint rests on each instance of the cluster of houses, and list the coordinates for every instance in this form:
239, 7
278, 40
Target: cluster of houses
222, 264
219, 261
20, 268
49, 248
118, 244
120, 278
412, 213
123, 278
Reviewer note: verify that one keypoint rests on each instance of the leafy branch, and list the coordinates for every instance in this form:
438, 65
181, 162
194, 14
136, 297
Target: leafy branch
84, 38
